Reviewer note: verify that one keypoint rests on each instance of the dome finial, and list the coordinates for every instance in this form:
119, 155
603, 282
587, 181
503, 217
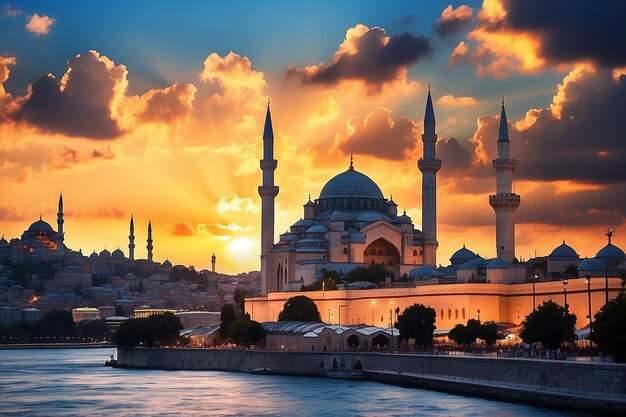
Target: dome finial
268, 102
503, 100
428, 88
351, 162
40, 216
609, 233
309, 197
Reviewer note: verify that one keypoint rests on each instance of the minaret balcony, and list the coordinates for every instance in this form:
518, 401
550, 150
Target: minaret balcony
269, 164
429, 165
504, 164
268, 191
511, 201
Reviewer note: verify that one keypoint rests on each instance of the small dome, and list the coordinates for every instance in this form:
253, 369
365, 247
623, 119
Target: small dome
117, 254
590, 265
611, 251
40, 226
474, 263
424, 272
303, 223
318, 228
369, 216
105, 254
93, 255
563, 251
462, 255
336, 216
498, 263
166, 264
351, 183
404, 218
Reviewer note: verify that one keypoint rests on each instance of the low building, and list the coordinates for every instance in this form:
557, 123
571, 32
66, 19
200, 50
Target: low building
10, 316
203, 336
106, 311
141, 313
198, 318
31, 315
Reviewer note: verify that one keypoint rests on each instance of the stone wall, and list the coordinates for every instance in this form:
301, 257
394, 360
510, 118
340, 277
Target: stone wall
591, 386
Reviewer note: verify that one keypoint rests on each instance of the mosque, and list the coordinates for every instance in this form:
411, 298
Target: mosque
352, 224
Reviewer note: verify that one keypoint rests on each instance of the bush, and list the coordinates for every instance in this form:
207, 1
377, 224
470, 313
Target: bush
299, 308
549, 324
417, 322
246, 332
609, 328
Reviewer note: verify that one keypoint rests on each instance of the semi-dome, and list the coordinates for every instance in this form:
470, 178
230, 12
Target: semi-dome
318, 228
590, 265
369, 216
611, 251
40, 226
563, 251
351, 183
462, 255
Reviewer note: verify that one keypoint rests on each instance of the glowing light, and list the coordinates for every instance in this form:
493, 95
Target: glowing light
240, 245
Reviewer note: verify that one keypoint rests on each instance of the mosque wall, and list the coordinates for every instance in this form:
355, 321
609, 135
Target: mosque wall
453, 303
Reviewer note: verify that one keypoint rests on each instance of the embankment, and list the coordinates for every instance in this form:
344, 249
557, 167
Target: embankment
593, 387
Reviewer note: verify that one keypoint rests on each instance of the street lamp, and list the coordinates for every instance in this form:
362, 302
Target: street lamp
373, 304
534, 278
391, 321
588, 281
565, 293
609, 235
323, 287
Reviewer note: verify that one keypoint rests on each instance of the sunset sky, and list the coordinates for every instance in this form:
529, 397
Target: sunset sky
156, 108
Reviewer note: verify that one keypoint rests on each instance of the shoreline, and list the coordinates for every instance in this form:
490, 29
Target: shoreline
58, 346
593, 387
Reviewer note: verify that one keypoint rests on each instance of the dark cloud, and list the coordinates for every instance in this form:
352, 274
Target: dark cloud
183, 229
81, 104
453, 21
456, 157
381, 136
368, 55
573, 30
12, 11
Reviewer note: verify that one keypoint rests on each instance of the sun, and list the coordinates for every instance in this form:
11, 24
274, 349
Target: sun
240, 245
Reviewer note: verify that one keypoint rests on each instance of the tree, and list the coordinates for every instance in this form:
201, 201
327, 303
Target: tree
459, 335
467, 334
328, 285
227, 317
373, 273
240, 295
549, 324
609, 328
246, 332
417, 322
489, 332
299, 308
157, 330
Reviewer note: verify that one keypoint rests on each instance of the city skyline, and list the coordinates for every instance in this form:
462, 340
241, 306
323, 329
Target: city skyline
173, 135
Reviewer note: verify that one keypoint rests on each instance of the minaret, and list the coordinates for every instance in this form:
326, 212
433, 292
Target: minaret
131, 240
149, 247
429, 165
504, 201
268, 191
60, 232
213, 262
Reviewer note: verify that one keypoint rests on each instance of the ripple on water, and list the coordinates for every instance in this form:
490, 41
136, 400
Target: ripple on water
74, 382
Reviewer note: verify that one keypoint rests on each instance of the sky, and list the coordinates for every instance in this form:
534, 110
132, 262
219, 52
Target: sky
156, 109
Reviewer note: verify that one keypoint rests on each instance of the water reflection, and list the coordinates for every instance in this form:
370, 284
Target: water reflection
74, 382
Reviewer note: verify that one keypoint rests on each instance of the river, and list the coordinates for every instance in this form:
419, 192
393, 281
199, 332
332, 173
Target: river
74, 382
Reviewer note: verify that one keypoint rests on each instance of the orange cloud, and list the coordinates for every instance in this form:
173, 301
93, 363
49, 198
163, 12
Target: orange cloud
39, 25
459, 52
183, 229
454, 20
235, 203
168, 105
450, 100
67, 157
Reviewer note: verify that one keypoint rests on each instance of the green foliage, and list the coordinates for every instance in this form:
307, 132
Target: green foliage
246, 332
96, 329
467, 334
227, 317
329, 285
460, 335
299, 308
188, 274
373, 273
489, 332
155, 331
609, 328
417, 322
550, 324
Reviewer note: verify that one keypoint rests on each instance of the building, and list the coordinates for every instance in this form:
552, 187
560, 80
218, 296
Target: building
352, 224
85, 314
198, 318
31, 315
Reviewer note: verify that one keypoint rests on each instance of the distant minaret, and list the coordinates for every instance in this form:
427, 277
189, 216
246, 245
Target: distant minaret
268, 191
429, 165
149, 247
213, 262
131, 240
60, 233
504, 201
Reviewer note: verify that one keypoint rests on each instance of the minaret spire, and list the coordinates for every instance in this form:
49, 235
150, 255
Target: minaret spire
60, 233
504, 202
213, 256
131, 240
429, 165
149, 247
268, 192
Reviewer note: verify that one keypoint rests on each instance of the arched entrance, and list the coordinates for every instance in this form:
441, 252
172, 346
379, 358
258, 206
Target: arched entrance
380, 341
381, 251
335, 365
358, 366
353, 342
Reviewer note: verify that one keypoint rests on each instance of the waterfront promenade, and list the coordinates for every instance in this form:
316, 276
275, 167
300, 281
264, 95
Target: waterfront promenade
597, 387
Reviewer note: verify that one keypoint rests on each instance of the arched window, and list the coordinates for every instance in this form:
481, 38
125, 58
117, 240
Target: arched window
414, 252
345, 251
380, 252
420, 251
449, 313
442, 314
456, 314
463, 312
373, 252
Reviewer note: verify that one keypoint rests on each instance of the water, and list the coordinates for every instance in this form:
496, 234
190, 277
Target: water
74, 382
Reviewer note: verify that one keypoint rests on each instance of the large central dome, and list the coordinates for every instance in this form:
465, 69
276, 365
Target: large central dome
351, 184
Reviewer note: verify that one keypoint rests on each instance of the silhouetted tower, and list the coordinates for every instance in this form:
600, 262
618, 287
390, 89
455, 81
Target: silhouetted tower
268, 191
131, 240
213, 262
429, 165
149, 247
60, 233
504, 201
